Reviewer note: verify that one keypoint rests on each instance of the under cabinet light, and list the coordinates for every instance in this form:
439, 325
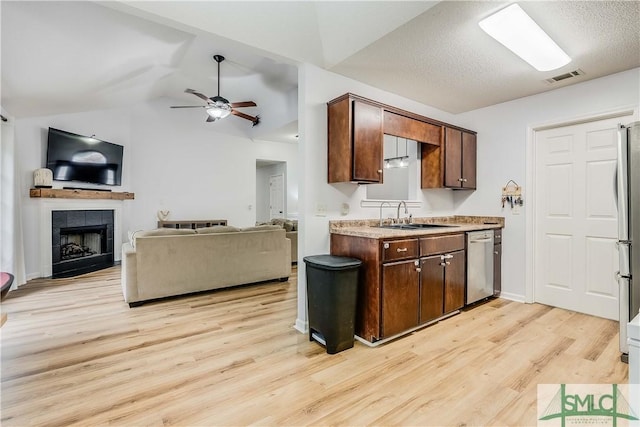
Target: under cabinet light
516, 30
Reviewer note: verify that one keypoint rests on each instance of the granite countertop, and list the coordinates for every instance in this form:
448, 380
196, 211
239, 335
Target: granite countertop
456, 224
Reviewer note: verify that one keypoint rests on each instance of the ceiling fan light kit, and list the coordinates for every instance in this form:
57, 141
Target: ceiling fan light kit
513, 28
218, 107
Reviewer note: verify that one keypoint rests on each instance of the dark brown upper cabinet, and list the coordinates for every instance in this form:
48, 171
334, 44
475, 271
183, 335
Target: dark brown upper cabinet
459, 159
406, 127
356, 128
355, 141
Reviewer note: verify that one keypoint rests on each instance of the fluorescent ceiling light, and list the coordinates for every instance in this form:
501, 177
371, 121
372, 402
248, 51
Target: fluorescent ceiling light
517, 31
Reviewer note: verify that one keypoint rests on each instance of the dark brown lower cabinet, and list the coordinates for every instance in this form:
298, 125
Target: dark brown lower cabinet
431, 288
400, 297
454, 279
441, 285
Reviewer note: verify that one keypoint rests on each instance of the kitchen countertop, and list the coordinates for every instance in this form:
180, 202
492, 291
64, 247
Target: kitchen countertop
369, 228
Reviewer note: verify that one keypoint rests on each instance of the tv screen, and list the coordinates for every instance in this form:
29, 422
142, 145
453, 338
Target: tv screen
74, 157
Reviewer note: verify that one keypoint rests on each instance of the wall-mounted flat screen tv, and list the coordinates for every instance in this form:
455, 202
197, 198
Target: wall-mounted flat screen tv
74, 157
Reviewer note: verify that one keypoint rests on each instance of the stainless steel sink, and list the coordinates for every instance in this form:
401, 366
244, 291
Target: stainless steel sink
413, 226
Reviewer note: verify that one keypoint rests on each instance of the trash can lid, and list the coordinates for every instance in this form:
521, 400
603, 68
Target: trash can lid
332, 262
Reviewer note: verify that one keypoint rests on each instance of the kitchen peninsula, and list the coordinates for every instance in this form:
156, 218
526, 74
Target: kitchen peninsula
412, 275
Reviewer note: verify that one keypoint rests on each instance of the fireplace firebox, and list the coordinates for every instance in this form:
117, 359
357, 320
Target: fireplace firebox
82, 241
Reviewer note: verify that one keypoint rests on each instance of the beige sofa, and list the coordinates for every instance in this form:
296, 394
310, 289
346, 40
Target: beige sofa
167, 262
291, 227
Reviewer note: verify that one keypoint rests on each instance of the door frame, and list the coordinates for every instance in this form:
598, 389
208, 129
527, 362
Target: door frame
532, 130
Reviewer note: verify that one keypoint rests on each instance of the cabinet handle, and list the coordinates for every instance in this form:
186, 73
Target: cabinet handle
447, 256
401, 249
461, 179
495, 252
418, 270
464, 180
443, 264
379, 170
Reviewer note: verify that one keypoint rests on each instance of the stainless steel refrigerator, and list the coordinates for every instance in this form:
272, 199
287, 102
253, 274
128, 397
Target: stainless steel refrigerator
628, 199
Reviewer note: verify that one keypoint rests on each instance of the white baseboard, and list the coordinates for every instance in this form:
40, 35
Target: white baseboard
32, 276
512, 297
301, 326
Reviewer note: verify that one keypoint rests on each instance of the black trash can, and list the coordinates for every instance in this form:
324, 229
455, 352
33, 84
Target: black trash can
332, 289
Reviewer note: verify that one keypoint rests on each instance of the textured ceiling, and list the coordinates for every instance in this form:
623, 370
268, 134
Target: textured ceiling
60, 57
443, 58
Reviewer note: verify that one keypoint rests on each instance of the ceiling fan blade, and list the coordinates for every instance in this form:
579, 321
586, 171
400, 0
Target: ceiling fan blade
188, 106
243, 104
255, 120
198, 94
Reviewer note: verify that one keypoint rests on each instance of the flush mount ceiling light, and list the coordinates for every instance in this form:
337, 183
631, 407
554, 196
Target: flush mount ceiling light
516, 30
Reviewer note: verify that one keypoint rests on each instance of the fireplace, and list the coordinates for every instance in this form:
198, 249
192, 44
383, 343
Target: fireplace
81, 241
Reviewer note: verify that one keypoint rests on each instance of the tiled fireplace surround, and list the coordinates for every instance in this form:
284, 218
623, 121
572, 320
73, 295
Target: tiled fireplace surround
48, 206
81, 242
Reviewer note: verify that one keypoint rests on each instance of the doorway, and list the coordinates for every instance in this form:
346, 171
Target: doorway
271, 184
575, 217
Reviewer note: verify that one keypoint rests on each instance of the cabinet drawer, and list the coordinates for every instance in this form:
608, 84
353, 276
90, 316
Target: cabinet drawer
497, 236
399, 249
441, 244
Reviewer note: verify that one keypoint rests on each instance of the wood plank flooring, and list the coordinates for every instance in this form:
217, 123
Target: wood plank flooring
73, 353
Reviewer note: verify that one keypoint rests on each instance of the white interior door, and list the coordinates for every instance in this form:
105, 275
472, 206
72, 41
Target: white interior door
276, 196
576, 218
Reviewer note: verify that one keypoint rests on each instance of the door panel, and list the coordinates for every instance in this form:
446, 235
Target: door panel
576, 218
276, 196
468, 160
431, 288
453, 154
367, 142
454, 280
400, 295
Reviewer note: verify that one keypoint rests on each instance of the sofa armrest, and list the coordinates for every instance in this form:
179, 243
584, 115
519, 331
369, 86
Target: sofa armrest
293, 236
129, 273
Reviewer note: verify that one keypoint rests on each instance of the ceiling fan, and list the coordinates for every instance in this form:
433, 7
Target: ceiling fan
218, 107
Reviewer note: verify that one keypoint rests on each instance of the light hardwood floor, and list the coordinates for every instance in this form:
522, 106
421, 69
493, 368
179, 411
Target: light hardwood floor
73, 353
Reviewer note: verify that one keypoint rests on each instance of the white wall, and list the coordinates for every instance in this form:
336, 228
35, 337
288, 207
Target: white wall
31, 145
315, 88
503, 131
502, 135
171, 162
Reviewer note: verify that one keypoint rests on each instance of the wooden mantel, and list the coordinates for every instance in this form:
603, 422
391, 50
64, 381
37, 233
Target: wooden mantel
57, 193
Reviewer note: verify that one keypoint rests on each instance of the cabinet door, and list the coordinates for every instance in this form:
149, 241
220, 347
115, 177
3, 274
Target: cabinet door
367, 142
400, 295
431, 288
454, 281
468, 160
497, 269
452, 158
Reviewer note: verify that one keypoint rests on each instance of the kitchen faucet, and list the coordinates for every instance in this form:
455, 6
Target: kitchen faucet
381, 205
406, 211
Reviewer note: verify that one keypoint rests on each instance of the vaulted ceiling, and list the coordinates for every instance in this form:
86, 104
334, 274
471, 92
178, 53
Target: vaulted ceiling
60, 57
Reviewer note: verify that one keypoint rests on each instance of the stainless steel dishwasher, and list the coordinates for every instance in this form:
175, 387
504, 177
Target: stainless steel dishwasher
479, 265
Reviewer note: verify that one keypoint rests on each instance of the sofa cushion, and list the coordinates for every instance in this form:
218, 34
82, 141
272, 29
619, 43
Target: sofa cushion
159, 232
217, 229
262, 228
